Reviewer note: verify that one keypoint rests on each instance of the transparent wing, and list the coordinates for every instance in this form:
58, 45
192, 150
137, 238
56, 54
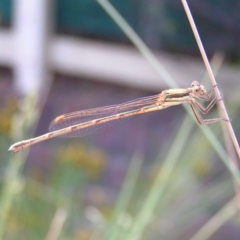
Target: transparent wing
78, 117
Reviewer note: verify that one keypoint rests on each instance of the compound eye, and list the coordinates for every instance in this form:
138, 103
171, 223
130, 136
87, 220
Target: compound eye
195, 83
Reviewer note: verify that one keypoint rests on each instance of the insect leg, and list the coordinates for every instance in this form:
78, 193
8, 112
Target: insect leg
205, 121
205, 110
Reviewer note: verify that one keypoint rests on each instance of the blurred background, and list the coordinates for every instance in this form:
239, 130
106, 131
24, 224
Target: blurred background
154, 176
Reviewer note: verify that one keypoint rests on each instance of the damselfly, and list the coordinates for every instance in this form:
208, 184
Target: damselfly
82, 123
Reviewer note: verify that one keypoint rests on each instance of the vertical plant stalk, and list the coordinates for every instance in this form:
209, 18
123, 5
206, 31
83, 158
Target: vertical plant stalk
57, 224
12, 185
144, 216
98, 221
114, 229
149, 56
146, 213
24, 121
155, 194
216, 64
21, 122
212, 78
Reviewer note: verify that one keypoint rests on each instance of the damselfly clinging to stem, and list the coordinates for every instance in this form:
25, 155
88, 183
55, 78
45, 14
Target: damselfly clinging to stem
82, 123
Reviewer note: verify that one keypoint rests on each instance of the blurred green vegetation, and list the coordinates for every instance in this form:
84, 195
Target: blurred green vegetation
180, 190
66, 194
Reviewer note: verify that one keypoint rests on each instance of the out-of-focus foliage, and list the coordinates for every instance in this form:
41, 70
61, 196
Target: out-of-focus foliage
85, 176
103, 194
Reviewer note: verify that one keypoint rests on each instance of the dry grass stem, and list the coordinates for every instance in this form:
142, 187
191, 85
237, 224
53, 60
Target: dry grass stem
212, 78
163, 73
